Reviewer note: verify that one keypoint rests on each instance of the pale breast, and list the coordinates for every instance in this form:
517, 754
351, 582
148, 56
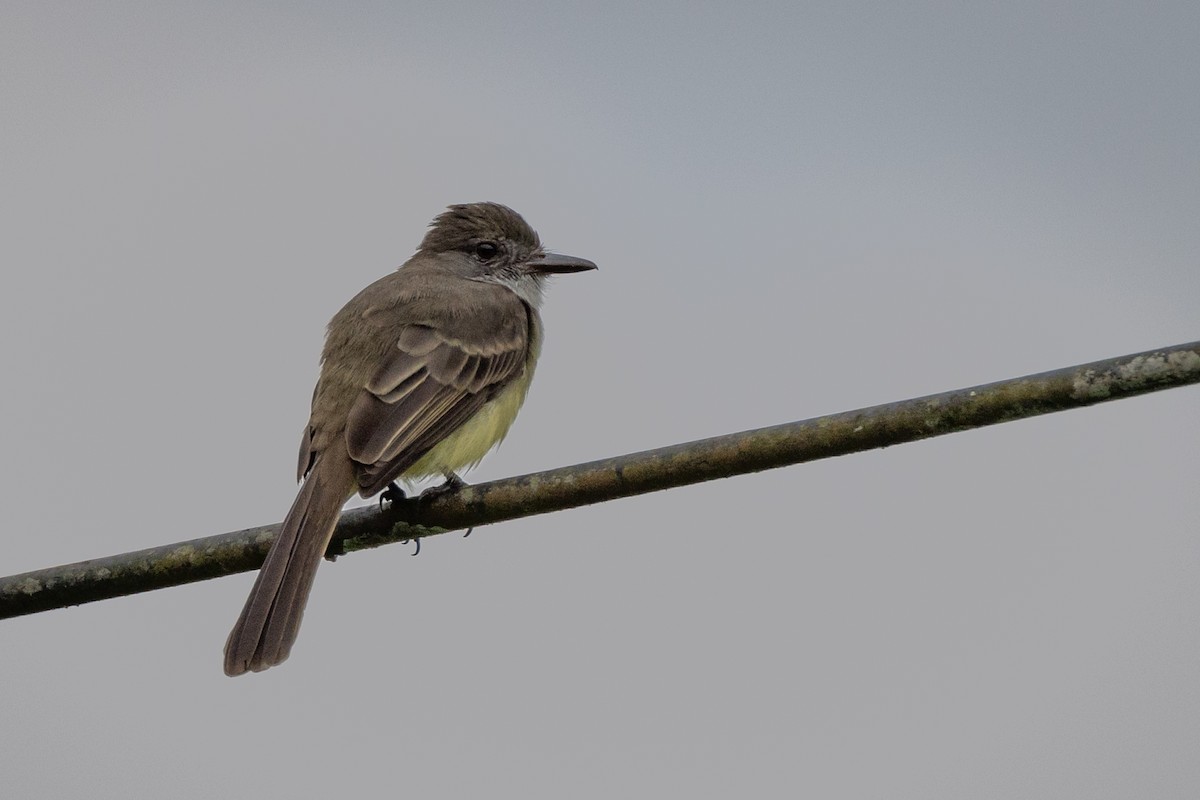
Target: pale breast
466, 446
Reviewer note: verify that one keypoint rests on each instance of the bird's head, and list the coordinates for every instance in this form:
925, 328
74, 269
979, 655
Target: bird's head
491, 242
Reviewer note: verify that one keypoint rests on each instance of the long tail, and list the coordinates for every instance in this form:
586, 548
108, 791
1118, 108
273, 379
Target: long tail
267, 628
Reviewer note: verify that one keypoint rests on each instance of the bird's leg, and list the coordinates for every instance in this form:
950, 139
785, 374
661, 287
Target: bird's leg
453, 483
391, 495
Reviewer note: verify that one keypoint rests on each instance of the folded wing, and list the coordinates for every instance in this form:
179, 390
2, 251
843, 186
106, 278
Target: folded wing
432, 383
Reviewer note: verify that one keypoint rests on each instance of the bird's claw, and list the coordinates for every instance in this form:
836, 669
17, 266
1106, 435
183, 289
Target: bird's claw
391, 495
453, 484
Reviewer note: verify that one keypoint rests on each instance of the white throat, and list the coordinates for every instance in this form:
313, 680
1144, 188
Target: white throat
525, 286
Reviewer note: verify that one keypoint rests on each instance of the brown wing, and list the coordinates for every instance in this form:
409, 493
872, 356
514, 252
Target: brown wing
426, 388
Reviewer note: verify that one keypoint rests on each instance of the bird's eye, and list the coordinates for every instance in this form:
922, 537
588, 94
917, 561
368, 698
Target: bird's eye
486, 250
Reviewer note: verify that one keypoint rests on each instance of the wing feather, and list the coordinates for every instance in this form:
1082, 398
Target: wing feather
428, 386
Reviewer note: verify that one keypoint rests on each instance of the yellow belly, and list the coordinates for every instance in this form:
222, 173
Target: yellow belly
465, 447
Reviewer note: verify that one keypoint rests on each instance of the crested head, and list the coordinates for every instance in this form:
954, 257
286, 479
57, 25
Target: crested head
490, 242
461, 227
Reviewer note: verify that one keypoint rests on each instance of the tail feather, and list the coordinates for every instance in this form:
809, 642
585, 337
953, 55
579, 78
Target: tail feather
264, 633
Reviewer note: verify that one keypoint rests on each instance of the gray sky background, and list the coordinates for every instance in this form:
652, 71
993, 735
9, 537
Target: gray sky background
797, 210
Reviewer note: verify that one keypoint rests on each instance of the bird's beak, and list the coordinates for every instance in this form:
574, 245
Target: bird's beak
551, 263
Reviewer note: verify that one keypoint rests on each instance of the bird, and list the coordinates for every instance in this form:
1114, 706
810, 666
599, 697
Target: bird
422, 374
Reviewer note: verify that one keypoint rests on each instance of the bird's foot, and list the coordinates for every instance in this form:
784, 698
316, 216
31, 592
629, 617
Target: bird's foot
391, 495
453, 484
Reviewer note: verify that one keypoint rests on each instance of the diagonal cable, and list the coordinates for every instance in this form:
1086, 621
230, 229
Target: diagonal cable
622, 476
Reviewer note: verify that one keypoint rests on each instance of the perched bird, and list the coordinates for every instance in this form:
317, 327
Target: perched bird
422, 374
